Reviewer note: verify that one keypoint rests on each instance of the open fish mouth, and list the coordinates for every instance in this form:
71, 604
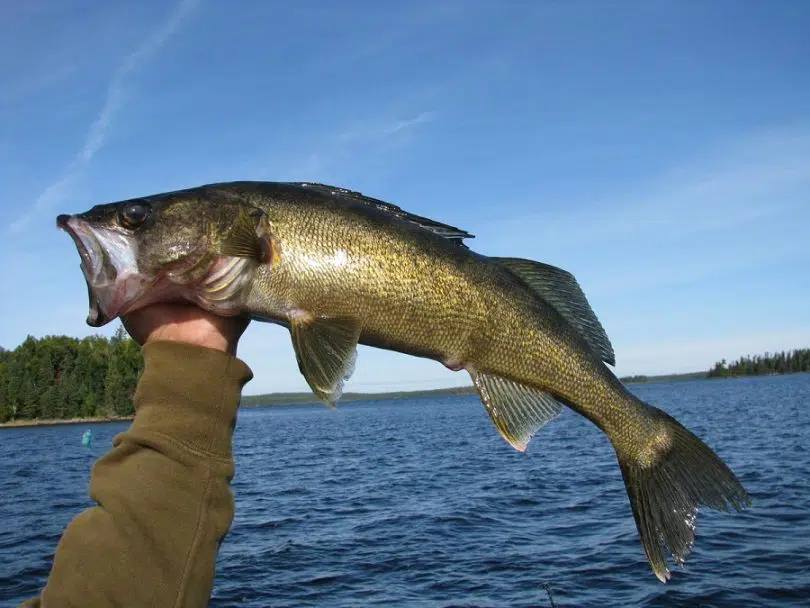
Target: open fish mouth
90, 250
92, 257
106, 257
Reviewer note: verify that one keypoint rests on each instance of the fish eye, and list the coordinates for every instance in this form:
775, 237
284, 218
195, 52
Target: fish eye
133, 215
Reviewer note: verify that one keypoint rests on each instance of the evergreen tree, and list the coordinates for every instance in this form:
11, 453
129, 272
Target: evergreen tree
770, 363
62, 377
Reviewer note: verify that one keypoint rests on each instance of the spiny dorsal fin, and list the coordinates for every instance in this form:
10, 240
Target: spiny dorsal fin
518, 411
326, 349
242, 241
560, 289
457, 235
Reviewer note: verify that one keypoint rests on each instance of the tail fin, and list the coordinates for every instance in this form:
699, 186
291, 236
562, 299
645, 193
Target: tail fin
667, 481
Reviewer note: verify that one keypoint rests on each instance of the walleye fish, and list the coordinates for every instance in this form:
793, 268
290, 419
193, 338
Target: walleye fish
338, 268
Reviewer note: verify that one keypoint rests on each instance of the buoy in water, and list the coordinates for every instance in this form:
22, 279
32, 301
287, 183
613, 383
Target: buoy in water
87, 438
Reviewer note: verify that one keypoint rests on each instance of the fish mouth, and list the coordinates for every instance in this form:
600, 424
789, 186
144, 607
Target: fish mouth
88, 246
117, 284
98, 272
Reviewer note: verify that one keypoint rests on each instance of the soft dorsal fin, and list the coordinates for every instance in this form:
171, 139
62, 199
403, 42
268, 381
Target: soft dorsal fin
326, 349
444, 230
560, 289
517, 411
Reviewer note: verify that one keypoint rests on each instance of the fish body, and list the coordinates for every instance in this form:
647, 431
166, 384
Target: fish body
421, 295
340, 269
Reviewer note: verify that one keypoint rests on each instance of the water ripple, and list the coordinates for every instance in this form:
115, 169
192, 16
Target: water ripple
420, 504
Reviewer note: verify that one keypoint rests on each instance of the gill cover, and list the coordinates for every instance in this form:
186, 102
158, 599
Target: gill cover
238, 253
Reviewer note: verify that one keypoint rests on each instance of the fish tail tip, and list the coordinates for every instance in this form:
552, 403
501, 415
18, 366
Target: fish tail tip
662, 575
667, 487
519, 446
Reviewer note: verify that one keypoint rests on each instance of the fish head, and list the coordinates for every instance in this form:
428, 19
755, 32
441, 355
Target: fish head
185, 246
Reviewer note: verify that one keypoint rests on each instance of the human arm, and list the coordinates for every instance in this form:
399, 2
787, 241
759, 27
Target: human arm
163, 492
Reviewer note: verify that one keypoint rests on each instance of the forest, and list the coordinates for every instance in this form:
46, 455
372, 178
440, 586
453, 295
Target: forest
58, 377
784, 362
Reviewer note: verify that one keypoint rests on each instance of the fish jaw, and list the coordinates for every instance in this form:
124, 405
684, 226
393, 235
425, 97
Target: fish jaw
109, 265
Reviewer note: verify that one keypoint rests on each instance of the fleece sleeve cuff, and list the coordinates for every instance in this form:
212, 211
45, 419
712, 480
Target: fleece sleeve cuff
190, 394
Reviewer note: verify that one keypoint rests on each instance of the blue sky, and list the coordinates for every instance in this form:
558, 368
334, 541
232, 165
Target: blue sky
660, 150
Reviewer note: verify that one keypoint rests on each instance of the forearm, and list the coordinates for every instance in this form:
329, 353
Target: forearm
163, 491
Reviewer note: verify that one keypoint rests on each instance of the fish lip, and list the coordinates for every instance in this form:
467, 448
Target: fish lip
96, 317
92, 263
86, 244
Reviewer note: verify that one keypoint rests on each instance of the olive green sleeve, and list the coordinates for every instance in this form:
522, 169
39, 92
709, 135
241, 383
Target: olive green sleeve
163, 494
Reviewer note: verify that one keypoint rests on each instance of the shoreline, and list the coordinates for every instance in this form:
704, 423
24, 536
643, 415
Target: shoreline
282, 400
59, 421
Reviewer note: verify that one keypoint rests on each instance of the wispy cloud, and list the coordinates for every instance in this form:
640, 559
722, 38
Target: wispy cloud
358, 145
379, 130
738, 182
730, 208
406, 124
113, 98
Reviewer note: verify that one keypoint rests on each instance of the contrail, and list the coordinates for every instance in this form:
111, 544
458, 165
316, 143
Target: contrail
96, 133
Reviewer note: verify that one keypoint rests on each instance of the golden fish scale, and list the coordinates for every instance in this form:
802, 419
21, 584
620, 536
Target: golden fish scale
426, 297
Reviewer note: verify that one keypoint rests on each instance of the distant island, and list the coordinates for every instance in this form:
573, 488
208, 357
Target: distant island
59, 378
785, 362
641, 379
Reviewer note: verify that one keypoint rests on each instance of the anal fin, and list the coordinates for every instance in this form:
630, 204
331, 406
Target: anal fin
517, 411
326, 349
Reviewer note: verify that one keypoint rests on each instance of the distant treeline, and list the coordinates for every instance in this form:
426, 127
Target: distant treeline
57, 377
664, 378
304, 398
786, 362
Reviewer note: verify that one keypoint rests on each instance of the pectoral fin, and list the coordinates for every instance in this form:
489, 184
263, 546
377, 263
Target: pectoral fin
561, 290
243, 241
326, 349
517, 410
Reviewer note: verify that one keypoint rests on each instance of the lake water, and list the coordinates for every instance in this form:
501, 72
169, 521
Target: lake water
420, 503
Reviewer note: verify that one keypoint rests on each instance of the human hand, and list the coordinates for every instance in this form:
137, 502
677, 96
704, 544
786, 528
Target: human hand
185, 323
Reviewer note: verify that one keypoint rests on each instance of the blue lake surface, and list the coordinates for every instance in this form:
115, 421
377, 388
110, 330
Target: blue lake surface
420, 503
